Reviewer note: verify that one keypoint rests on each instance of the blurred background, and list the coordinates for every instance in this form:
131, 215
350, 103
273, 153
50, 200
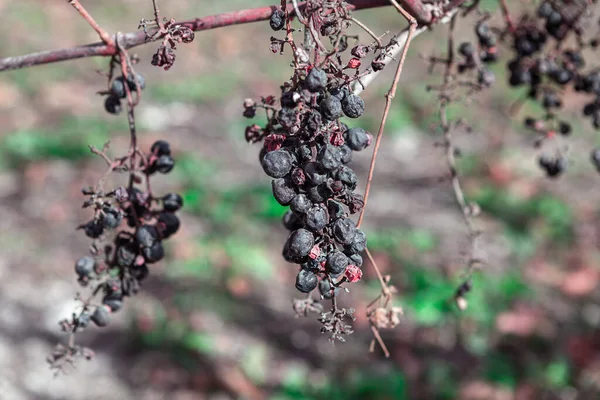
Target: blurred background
215, 319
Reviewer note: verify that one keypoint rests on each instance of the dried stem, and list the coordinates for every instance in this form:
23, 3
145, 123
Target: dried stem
388, 102
104, 36
416, 8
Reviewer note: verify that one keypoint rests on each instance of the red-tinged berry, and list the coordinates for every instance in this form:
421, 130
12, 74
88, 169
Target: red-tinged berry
353, 273
353, 63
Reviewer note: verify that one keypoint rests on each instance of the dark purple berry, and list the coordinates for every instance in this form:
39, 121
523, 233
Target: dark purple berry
316, 80
358, 138
117, 87
85, 266
164, 164
345, 153
112, 218
277, 20
287, 117
312, 265
140, 81
353, 106
331, 107
340, 93
315, 218
344, 230
93, 229
466, 49
329, 157
564, 128
126, 254
113, 304
161, 148
291, 221
306, 281
356, 259
172, 202
347, 176
167, 224
299, 243
284, 190
83, 320
336, 263
146, 235
485, 77
326, 290
101, 316
153, 253
300, 204
313, 174
112, 104
139, 272
277, 163
359, 243
544, 10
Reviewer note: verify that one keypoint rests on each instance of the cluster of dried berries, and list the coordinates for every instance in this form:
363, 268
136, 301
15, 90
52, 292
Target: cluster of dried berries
307, 151
475, 58
548, 67
112, 103
120, 254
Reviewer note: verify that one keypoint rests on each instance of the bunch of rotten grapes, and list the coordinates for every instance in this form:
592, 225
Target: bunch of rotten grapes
307, 151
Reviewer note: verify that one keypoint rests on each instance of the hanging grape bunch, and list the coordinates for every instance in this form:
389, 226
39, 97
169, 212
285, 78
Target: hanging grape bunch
549, 61
120, 255
307, 151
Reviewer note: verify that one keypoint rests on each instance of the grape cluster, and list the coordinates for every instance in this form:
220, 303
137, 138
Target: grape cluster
307, 151
112, 103
117, 268
544, 63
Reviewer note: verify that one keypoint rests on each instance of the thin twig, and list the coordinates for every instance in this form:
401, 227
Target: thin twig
369, 31
388, 102
375, 331
415, 7
104, 36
